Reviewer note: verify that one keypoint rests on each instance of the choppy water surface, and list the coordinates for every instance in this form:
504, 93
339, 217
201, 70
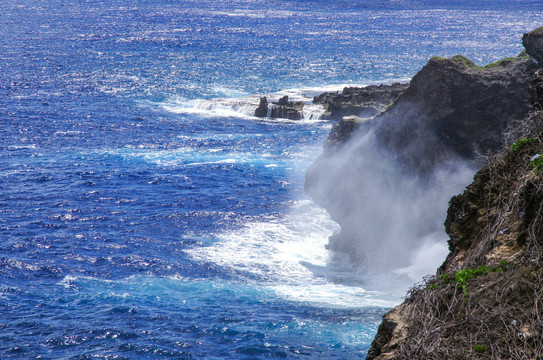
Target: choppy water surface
144, 213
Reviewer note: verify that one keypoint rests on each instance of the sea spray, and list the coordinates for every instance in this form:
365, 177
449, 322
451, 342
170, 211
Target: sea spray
391, 219
106, 180
288, 256
389, 183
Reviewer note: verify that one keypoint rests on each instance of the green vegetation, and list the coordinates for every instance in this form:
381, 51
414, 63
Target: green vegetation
461, 277
537, 163
521, 142
465, 61
502, 62
480, 348
459, 59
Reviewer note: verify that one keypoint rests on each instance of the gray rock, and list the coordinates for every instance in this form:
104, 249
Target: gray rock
285, 109
343, 129
262, 109
360, 101
533, 43
452, 110
536, 90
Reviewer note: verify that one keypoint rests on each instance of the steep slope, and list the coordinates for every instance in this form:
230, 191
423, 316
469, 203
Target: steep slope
451, 113
486, 298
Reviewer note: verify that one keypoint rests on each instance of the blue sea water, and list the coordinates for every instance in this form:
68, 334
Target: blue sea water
144, 213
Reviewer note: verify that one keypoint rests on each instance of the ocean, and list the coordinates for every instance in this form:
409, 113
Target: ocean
145, 213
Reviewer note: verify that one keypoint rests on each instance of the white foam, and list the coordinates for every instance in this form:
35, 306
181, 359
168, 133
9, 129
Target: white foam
288, 255
237, 103
243, 106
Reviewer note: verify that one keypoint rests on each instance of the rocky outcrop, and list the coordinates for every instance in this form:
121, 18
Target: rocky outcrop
282, 109
533, 43
285, 109
463, 109
363, 102
485, 300
453, 111
342, 130
391, 332
262, 109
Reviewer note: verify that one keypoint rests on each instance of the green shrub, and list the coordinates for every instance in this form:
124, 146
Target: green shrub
465, 61
521, 142
461, 277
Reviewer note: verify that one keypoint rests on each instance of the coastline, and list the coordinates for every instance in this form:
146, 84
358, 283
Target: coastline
487, 131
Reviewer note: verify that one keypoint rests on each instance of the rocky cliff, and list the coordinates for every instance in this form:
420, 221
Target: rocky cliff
485, 300
452, 112
363, 102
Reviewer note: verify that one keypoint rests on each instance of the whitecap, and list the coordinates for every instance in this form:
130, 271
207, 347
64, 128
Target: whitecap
289, 258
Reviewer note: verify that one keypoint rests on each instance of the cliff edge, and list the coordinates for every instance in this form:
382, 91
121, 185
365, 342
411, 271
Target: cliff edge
485, 300
402, 166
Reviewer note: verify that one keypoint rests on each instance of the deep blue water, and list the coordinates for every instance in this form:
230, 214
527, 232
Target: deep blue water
142, 218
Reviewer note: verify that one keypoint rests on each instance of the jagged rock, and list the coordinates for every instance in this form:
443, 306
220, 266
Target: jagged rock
392, 330
452, 110
283, 101
262, 109
281, 109
359, 101
285, 109
533, 43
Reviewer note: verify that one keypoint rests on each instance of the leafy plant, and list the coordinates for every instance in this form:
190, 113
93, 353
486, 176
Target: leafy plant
480, 348
519, 144
461, 277
537, 163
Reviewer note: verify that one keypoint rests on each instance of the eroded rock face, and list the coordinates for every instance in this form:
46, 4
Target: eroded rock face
282, 109
533, 43
498, 216
536, 90
392, 331
343, 129
454, 108
496, 226
363, 102
452, 112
